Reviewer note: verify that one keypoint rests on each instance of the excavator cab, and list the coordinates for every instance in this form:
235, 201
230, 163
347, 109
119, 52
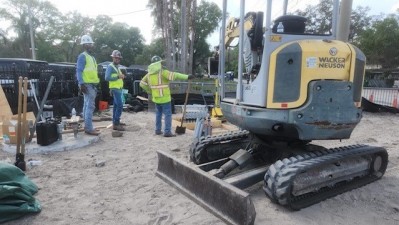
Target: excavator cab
305, 85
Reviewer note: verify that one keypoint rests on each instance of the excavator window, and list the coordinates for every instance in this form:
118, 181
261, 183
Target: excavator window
292, 24
256, 31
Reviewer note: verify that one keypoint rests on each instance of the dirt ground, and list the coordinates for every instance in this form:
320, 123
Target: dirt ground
72, 190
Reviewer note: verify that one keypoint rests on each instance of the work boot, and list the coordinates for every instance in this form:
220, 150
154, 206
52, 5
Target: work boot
118, 127
93, 132
169, 135
158, 132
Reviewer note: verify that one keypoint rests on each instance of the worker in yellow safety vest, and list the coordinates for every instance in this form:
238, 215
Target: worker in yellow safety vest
156, 83
115, 77
87, 76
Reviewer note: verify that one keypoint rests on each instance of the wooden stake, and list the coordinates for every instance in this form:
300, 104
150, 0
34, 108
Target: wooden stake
24, 122
19, 115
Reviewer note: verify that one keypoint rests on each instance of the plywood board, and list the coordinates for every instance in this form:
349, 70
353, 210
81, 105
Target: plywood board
5, 110
29, 116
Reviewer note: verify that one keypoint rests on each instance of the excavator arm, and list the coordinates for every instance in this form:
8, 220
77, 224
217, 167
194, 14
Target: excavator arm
253, 22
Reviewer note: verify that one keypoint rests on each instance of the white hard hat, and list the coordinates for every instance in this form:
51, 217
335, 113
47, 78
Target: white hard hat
86, 39
116, 54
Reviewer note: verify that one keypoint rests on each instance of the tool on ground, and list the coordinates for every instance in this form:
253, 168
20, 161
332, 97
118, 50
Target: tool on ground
39, 113
216, 110
22, 124
180, 129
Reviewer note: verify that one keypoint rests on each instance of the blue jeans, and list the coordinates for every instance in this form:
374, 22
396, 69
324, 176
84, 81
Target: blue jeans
89, 106
166, 109
118, 106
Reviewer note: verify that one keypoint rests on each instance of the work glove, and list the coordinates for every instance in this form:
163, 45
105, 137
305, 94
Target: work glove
190, 77
83, 88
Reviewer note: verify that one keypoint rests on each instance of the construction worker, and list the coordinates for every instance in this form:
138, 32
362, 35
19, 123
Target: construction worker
156, 83
115, 78
87, 76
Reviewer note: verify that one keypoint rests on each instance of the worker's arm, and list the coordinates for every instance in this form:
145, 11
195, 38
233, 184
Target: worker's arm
80, 66
144, 84
173, 75
110, 70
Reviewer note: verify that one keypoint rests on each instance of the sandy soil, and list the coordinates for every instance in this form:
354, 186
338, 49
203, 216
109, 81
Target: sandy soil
72, 190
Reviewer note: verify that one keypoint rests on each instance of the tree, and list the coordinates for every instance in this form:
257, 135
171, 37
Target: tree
360, 21
320, 19
117, 36
44, 15
155, 48
208, 16
203, 20
62, 44
380, 43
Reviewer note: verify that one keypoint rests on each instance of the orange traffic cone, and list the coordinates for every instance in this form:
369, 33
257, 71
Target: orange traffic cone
371, 97
395, 102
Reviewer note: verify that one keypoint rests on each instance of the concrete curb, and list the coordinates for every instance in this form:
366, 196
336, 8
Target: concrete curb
67, 143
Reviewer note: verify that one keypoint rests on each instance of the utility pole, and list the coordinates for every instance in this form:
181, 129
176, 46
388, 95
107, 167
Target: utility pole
192, 35
172, 37
344, 20
32, 41
184, 37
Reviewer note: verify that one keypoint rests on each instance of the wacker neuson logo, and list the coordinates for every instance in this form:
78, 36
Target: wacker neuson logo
333, 51
331, 62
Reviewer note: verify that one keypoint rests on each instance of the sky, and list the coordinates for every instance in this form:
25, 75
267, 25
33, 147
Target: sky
136, 14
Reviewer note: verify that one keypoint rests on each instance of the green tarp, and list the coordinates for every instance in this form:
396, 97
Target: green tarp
16, 193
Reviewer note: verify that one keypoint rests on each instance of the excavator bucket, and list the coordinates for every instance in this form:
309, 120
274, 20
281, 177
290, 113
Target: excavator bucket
226, 201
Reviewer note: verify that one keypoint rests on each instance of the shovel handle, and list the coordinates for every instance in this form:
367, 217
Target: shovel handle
24, 109
19, 115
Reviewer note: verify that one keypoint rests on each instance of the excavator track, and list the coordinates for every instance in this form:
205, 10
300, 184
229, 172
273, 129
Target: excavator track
300, 181
211, 148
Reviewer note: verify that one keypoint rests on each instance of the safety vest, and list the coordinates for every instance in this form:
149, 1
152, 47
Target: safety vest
157, 83
115, 84
90, 74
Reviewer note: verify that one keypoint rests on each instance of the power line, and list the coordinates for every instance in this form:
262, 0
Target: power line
122, 14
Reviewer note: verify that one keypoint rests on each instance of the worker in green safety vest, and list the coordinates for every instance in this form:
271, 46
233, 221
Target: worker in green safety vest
115, 78
87, 76
156, 83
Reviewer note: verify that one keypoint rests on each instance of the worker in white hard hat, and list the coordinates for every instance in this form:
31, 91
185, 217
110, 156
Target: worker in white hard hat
115, 77
87, 76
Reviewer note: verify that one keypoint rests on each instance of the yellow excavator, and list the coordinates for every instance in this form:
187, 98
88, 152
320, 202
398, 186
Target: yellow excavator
298, 86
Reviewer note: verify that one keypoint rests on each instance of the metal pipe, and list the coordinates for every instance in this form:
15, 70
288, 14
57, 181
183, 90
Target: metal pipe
285, 6
222, 49
335, 18
32, 41
344, 20
34, 95
240, 52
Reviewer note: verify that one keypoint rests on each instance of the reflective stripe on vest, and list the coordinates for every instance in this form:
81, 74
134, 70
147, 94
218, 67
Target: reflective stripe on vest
116, 84
90, 74
159, 88
143, 83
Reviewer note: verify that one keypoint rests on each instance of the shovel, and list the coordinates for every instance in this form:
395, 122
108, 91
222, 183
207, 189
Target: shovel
180, 129
21, 129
